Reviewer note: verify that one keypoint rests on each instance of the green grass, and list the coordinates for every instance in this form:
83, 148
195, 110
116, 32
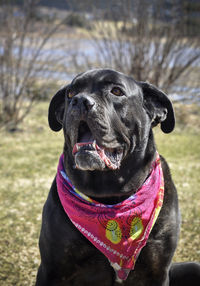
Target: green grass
28, 164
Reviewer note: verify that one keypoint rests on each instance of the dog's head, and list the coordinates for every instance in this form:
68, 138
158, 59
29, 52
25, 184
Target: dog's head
106, 117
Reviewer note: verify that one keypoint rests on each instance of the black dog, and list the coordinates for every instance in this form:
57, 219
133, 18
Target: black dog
118, 113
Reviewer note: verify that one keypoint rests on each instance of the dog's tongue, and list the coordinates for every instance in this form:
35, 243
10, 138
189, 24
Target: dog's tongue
93, 147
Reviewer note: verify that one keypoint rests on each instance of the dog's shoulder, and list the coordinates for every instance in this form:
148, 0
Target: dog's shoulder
53, 213
168, 222
170, 189
163, 238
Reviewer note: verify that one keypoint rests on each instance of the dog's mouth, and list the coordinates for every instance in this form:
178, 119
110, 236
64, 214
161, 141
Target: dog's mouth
98, 156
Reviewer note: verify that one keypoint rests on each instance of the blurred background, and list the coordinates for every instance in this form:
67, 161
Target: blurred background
43, 45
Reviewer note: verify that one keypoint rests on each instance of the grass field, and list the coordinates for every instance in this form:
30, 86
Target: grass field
28, 164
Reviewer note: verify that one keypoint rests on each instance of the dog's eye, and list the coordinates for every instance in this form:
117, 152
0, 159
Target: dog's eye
117, 91
71, 93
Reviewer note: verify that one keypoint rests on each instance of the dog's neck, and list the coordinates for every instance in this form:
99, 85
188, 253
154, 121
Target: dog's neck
111, 187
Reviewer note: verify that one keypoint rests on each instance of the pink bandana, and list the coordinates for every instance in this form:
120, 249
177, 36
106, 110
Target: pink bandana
119, 231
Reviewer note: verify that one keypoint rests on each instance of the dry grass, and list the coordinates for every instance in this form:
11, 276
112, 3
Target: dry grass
27, 166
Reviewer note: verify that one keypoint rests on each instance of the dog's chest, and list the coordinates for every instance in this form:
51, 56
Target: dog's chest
86, 261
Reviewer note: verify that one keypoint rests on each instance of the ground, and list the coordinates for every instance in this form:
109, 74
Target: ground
28, 164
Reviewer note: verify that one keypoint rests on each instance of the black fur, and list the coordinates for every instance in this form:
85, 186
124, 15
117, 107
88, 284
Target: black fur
125, 121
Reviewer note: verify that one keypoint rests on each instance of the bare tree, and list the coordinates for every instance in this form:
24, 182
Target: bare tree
145, 39
25, 57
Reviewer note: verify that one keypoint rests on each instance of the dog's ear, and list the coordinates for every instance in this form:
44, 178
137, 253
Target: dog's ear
56, 110
159, 107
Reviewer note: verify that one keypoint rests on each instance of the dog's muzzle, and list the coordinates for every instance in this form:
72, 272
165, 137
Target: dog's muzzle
89, 155
89, 151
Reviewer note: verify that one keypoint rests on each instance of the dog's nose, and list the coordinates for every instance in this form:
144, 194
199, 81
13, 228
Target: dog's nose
82, 102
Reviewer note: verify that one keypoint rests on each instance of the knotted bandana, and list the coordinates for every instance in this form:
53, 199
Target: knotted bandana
119, 231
